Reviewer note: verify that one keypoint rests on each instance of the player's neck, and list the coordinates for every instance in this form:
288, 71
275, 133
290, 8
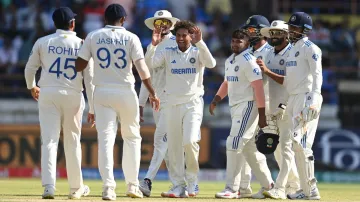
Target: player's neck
281, 47
117, 24
259, 44
183, 49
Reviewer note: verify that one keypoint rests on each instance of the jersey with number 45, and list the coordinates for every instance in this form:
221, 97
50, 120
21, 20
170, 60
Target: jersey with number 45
113, 49
56, 55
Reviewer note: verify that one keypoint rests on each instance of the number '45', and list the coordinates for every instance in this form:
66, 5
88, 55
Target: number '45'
55, 68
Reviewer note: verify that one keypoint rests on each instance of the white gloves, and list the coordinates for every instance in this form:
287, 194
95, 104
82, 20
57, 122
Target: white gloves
279, 113
312, 106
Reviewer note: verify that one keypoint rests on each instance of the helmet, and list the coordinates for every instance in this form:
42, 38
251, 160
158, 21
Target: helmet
267, 138
254, 24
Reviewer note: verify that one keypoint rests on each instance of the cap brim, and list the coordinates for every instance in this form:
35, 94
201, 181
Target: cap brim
150, 22
265, 31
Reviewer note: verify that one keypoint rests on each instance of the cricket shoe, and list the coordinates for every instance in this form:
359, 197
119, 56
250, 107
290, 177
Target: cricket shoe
193, 189
291, 190
145, 187
108, 194
49, 192
84, 191
178, 191
300, 195
259, 194
245, 193
275, 193
227, 193
134, 191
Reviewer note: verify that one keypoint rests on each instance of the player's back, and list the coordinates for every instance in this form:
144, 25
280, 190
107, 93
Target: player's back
57, 54
113, 49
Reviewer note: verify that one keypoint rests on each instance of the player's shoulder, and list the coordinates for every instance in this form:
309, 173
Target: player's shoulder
46, 38
170, 48
247, 57
311, 47
268, 47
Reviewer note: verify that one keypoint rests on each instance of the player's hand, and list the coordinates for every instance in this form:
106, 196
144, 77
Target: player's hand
91, 119
262, 65
196, 34
156, 36
262, 121
35, 92
212, 107
141, 114
155, 102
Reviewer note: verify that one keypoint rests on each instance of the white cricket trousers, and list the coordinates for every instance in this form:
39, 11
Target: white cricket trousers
160, 144
284, 155
61, 108
304, 157
241, 147
112, 105
183, 127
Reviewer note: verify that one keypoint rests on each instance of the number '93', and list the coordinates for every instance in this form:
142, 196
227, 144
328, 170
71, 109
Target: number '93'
103, 54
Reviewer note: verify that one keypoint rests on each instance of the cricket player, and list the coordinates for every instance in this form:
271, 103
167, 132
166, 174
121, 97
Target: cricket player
185, 65
288, 177
259, 47
303, 82
243, 83
162, 20
114, 49
61, 102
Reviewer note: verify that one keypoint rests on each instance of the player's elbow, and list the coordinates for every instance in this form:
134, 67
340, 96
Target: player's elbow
212, 63
80, 64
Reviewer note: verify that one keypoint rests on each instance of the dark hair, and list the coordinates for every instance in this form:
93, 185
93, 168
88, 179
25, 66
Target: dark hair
183, 24
63, 26
237, 33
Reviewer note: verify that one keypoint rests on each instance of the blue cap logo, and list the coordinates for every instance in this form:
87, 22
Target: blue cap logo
293, 18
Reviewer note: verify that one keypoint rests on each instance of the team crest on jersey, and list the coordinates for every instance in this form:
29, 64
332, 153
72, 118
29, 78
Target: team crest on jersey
297, 54
192, 60
260, 57
236, 68
269, 62
274, 24
293, 18
256, 71
160, 13
315, 57
282, 61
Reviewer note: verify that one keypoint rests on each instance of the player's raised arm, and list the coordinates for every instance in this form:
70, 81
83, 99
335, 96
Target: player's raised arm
222, 92
31, 67
206, 57
276, 77
155, 59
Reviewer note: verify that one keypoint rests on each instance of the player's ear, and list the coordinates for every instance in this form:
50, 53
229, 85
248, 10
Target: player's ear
122, 20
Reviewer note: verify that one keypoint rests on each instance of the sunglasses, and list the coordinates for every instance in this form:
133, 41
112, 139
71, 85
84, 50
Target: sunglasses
162, 22
274, 33
251, 30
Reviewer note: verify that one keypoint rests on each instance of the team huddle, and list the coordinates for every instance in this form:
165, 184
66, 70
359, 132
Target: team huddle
273, 80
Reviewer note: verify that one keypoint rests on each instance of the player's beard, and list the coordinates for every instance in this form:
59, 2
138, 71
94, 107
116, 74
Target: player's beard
276, 42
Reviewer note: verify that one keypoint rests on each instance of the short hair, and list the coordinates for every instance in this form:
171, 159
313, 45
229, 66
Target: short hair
236, 33
63, 26
183, 24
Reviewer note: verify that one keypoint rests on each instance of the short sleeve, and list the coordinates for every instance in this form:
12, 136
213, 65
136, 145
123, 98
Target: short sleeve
85, 50
252, 71
137, 51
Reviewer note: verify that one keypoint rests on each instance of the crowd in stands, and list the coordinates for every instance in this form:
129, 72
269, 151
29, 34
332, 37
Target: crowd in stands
24, 21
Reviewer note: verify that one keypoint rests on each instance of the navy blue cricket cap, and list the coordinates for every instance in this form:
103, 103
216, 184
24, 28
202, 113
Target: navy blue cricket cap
114, 12
300, 19
63, 15
257, 21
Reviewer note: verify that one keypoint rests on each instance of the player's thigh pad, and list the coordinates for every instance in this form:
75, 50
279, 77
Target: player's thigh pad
243, 124
192, 120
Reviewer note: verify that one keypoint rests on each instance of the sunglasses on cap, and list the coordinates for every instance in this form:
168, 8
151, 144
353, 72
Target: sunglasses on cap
251, 30
274, 33
162, 22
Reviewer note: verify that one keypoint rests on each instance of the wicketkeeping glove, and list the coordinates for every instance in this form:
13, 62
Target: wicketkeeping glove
312, 106
279, 113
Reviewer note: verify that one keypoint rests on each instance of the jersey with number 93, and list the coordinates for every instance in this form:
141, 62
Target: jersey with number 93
56, 54
113, 49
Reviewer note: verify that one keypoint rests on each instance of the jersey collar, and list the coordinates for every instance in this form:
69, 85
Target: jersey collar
284, 50
261, 47
168, 36
300, 41
114, 27
60, 31
187, 50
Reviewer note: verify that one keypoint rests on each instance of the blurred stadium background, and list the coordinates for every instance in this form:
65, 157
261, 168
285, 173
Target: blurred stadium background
336, 31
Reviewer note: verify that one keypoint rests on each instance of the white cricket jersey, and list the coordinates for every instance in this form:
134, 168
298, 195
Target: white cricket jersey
276, 63
239, 73
303, 68
184, 70
56, 55
158, 74
113, 49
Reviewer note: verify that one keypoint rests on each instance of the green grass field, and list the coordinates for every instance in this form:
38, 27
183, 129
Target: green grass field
31, 190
